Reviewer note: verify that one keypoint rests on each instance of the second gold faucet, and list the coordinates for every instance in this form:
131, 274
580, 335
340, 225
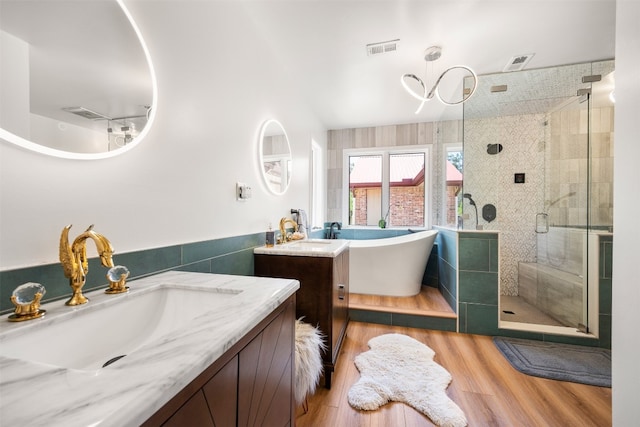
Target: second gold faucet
283, 229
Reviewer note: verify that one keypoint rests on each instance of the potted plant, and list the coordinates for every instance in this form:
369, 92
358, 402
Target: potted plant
383, 221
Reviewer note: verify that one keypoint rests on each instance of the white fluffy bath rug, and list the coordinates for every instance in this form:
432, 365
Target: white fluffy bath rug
399, 368
309, 343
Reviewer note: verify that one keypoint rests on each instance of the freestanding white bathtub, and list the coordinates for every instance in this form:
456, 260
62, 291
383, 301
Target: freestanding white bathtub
393, 266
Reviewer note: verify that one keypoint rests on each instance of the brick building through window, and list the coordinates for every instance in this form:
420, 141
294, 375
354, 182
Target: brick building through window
406, 190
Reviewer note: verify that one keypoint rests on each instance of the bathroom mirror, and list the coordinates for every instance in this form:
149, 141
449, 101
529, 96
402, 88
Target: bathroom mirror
77, 80
275, 156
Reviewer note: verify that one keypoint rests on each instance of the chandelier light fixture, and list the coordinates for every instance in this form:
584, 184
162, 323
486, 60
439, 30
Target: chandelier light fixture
432, 54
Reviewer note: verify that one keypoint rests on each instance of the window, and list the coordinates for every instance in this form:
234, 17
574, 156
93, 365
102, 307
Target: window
453, 184
387, 184
365, 189
318, 190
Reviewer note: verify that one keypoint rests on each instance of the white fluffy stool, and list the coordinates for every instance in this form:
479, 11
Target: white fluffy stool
309, 342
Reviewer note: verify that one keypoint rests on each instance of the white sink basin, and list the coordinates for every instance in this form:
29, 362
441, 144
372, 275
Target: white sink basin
92, 335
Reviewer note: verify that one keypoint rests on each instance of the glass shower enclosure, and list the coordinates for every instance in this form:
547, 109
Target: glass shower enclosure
538, 168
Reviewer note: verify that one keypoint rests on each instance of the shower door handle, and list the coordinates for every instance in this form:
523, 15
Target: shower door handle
542, 223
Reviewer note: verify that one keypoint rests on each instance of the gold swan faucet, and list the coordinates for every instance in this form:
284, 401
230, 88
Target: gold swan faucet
75, 263
283, 229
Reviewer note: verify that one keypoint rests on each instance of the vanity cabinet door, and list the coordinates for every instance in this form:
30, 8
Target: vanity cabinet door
195, 412
340, 307
221, 396
265, 379
214, 405
251, 384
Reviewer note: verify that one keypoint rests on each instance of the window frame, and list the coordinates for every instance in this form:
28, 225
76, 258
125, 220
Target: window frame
317, 185
386, 153
449, 148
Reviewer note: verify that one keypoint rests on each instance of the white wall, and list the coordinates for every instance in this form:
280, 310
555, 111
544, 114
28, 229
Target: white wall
67, 136
217, 82
14, 85
626, 287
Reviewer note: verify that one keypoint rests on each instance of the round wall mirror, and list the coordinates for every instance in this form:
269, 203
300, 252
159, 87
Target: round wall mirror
275, 156
77, 80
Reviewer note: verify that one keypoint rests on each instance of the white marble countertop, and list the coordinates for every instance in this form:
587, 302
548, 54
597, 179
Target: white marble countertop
128, 392
306, 247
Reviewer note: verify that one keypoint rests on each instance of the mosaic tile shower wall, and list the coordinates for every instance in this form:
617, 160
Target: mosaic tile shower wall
531, 143
490, 180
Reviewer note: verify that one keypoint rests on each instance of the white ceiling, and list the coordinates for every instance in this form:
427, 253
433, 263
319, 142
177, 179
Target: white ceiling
322, 43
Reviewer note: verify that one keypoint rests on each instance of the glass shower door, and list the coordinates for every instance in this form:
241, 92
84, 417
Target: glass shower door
562, 225
551, 186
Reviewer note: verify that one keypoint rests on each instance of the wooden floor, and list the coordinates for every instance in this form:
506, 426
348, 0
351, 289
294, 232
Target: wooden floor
428, 302
484, 386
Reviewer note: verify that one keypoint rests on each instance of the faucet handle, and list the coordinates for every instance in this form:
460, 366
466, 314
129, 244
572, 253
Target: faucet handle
117, 278
26, 298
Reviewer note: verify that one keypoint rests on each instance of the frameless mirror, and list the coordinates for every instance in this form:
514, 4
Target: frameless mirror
77, 80
275, 156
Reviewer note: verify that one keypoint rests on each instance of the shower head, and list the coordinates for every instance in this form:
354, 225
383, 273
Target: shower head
468, 196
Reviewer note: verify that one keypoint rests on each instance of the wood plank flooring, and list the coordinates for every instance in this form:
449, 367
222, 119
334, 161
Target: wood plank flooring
485, 386
429, 302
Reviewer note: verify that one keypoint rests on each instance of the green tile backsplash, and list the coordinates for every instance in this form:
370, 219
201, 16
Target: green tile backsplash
479, 287
469, 262
448, 265
475, 254
464, 265
478, 282
231, 255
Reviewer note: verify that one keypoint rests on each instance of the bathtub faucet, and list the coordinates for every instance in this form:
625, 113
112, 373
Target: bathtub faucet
334, 234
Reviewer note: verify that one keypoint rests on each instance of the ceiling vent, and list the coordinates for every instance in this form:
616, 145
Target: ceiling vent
86, 113
382, 47
518, 62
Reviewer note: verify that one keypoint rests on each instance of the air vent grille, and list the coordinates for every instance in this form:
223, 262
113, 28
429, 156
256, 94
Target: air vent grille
518, 62
86, 113
382, 47
591, 79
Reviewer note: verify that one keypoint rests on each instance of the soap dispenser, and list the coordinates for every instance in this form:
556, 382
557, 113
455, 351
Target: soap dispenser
270, 238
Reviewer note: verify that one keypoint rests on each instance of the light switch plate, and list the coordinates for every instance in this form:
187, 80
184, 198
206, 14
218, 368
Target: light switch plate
243, 191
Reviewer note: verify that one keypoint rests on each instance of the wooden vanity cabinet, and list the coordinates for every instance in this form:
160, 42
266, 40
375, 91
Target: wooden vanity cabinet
323, 297
251, 384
